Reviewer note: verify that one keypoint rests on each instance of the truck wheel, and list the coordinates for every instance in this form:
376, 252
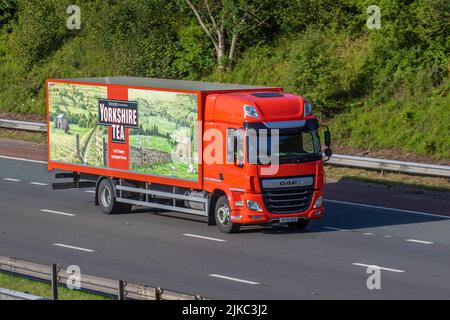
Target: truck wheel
107, 200
223, 216
300, 225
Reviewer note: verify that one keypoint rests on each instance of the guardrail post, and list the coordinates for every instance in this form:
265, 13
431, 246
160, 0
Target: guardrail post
158, 293
55, 281
121, 292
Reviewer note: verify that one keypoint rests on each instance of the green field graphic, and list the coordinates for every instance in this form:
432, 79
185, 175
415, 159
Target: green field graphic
75, 136
166, 142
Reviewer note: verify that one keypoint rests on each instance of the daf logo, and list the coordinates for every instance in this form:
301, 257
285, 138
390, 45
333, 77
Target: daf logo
288, 183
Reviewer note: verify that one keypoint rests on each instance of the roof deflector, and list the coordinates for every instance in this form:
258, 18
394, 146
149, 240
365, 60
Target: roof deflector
267, 95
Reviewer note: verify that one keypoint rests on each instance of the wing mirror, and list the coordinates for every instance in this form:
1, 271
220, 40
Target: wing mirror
328, 150
328, 138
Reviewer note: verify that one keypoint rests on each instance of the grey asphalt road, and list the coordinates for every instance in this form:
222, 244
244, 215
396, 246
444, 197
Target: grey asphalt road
327, 261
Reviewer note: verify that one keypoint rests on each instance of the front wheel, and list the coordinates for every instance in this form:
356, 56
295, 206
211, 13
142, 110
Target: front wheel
223, 216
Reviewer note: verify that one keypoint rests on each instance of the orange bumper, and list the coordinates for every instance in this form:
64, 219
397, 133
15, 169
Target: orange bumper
243, 215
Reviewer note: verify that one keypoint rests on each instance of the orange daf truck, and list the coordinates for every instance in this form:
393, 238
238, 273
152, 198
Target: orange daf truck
236, 154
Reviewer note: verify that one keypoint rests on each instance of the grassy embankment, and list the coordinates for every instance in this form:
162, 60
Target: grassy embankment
43, 289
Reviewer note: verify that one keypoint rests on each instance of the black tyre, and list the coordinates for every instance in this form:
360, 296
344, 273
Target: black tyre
107, 200
223, 216
299, 225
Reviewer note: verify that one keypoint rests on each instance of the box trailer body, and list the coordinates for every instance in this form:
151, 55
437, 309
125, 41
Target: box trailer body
185, 146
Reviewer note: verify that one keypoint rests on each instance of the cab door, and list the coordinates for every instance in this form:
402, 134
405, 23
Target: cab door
230, 174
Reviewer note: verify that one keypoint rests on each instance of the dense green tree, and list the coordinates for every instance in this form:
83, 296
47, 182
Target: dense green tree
195, 57
8, 11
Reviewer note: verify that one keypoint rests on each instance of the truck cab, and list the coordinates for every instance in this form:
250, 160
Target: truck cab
272, 163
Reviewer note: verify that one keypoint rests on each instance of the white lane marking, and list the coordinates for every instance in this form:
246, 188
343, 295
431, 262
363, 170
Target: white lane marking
72, 247
387, 237
375, 266
389, 209
203, 237
58, 212
21, 159
233, 279
11, 179
90, 191
38, 184
419, 241
367, 234
335, 229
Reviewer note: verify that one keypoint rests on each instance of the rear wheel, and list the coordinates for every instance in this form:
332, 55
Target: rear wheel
107, 200
223, 216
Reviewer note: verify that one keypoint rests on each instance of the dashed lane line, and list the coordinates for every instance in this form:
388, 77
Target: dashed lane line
419, 241
58, 213
234, 279
203, 237
38, 184
378, 267
73, 247
11, 180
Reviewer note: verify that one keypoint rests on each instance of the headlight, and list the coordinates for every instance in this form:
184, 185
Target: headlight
251, 111
318, 202
253, 205
308, 109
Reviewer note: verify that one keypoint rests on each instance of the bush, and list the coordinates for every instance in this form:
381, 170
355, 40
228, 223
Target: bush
40, 31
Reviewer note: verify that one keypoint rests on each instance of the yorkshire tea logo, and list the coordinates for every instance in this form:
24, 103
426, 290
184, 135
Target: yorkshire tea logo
118, 115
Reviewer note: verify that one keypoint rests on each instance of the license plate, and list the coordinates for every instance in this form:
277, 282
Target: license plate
287, 220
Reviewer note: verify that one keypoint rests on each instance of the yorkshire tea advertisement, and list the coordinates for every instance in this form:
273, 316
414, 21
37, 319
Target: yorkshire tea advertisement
152, 133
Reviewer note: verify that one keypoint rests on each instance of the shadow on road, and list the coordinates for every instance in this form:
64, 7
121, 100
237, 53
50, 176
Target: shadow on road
350, 216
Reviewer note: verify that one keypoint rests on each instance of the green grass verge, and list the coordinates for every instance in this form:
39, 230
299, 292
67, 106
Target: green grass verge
42, 289
35, 137
418, 125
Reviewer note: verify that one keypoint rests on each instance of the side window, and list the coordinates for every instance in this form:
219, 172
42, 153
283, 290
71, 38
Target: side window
308, 142
235, 146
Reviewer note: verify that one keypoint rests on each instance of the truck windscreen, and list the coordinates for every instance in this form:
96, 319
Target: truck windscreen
291, 145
